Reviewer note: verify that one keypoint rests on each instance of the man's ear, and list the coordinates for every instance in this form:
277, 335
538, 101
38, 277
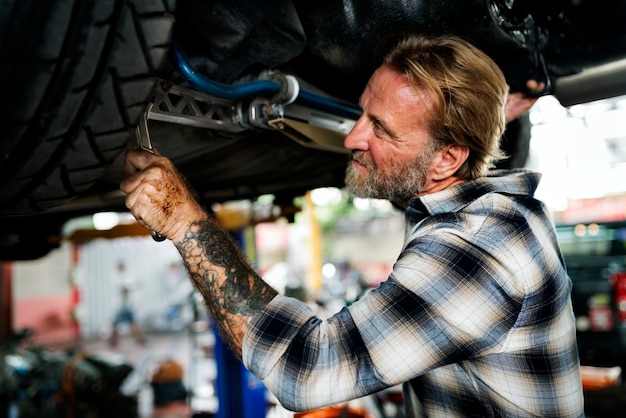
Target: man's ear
447, 161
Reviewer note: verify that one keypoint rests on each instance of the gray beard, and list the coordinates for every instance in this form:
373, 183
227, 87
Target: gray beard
402, 184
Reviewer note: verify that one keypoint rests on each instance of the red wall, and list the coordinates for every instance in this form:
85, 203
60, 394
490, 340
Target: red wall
49, 316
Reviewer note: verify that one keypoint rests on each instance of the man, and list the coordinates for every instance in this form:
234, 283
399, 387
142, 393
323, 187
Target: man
125, 313
475, 318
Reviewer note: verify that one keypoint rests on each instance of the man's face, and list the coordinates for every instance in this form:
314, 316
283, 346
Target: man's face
391, 146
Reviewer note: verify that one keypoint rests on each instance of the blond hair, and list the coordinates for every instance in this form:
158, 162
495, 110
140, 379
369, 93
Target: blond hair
469, 92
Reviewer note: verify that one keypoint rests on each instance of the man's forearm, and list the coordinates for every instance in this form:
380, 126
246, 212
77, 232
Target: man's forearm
232, 290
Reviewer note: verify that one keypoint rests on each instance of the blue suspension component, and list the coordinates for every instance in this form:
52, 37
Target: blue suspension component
256, 88
219, 90
328, 105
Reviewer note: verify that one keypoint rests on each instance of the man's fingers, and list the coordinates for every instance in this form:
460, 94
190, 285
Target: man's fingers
137, 160
158, 195
143, 172
132, 161
145, 200
519, 103
534, 85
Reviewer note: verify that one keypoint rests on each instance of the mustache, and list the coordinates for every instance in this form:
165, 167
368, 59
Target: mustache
360, 157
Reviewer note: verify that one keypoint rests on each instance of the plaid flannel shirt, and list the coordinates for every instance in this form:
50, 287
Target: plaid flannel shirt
475, 318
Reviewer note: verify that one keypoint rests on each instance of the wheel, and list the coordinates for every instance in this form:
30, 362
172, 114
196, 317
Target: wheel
76, 76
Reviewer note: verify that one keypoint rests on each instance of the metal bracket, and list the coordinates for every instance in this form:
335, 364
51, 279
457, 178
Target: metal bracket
313, 128
309, 127
183, 106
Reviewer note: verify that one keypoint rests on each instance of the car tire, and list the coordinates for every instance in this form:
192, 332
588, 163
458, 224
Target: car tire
76, 76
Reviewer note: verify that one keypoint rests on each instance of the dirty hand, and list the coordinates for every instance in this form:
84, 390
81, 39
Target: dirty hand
158, 196
518, 103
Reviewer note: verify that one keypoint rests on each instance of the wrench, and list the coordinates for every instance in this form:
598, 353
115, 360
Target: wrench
143, 140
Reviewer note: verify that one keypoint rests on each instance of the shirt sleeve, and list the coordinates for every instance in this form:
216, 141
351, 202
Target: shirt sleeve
442, 303
305, 362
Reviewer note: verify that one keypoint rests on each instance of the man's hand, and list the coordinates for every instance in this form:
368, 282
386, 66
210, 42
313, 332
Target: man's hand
158, 195
159, 198
519, 103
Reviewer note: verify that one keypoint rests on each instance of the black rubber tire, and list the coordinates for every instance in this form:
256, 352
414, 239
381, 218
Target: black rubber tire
75, 77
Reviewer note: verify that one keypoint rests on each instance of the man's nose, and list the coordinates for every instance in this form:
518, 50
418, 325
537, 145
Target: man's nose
357, 137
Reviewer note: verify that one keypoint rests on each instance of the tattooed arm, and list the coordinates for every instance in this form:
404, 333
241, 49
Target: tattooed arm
160, 199
233, 292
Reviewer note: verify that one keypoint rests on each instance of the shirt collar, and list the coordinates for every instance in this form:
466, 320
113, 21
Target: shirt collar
513, 182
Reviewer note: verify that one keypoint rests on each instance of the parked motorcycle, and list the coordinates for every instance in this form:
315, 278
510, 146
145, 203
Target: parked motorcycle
39, 383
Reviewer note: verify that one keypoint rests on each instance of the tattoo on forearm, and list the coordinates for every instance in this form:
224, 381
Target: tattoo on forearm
232, 290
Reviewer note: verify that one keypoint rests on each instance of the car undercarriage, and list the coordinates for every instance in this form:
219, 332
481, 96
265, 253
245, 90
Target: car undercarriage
249, 98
